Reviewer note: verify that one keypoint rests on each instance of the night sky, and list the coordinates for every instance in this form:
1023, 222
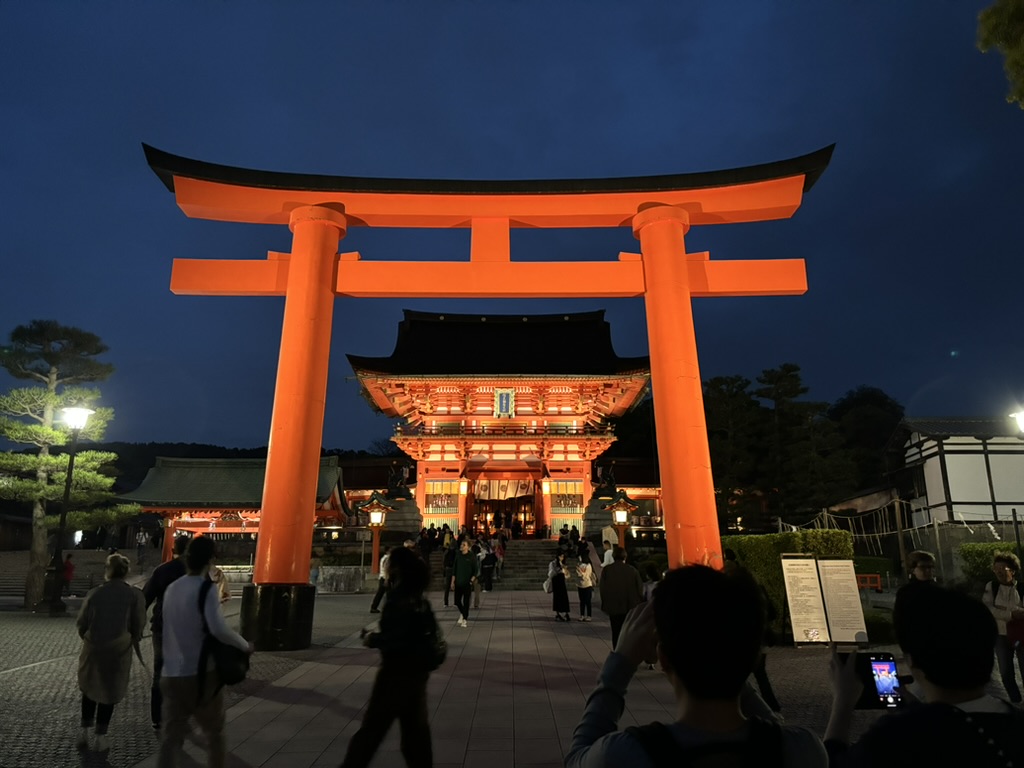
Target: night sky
912, 237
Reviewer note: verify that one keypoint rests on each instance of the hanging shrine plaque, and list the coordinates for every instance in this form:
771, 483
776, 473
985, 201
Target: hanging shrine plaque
504, 403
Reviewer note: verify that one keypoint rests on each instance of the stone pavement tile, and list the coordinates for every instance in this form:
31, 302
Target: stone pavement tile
490, 759
488, 746
534, 730
534, 751
293, 760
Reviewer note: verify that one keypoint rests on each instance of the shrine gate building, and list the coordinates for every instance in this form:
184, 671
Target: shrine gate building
504, 414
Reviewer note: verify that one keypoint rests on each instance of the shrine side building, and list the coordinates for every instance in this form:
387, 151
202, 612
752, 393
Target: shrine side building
504, 415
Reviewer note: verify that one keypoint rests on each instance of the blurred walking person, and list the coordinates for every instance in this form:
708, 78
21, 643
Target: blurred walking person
188, 691
162, 578
110, 624
406, 640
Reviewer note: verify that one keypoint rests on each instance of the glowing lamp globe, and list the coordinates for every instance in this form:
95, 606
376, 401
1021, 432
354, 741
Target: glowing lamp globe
76, 418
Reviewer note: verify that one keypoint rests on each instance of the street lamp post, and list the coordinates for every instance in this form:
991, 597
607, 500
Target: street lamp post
376, 524
1019, 418
621, 523
76, 419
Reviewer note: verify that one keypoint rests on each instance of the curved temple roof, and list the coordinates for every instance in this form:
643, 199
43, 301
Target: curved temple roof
168, 167
457, 345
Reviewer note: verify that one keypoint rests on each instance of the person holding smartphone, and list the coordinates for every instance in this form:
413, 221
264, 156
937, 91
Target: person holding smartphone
704, 629
947, 640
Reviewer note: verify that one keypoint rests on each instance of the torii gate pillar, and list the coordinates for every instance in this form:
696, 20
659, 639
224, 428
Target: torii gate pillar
277, 610
687, 487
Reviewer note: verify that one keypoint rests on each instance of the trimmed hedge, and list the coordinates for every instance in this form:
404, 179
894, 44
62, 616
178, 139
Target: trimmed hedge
875, 564
762, 556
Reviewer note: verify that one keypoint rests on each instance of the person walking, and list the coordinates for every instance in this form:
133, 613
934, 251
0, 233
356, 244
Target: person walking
621, 591
188, 691
163, 576
585, 589
110, 624
382, 583
407, 643
465, 569
558, 572
67, 574
448, 563
734, 569
488, 563
1003, 600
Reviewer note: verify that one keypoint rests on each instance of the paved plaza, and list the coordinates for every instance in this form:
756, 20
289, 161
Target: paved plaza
510, 693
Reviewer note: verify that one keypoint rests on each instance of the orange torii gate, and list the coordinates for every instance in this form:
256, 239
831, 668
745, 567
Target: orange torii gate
319, 209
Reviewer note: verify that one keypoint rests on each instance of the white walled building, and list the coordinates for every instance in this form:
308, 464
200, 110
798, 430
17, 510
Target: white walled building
965, 470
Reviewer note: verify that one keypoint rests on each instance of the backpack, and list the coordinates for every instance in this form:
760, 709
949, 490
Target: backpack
762, 748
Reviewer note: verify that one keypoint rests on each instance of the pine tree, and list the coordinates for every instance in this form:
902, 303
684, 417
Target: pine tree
57, 360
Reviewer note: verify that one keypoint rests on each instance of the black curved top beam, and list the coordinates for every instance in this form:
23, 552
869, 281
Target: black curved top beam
167, 166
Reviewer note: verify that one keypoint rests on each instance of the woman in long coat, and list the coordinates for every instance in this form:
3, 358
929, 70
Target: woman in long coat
110, 624
558, 572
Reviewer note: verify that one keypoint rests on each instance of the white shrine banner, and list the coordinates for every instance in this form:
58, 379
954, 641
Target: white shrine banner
499, 490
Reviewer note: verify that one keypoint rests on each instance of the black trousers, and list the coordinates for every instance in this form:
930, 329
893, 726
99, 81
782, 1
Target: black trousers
617, 621
156, 699
764, 684
462, 594
1005, 654
447, 584
101, 718
586, 599
398, 693
381, 591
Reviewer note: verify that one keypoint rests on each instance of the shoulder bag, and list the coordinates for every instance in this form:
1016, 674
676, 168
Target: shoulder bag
231, 663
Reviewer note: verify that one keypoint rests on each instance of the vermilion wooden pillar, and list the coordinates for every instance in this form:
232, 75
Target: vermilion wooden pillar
687, 487
297, 423
282, 598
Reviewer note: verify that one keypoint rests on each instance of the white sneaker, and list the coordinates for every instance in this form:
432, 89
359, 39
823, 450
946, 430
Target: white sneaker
463, 623
102, 743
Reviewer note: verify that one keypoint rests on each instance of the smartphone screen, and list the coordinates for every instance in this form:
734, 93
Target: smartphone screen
887, 683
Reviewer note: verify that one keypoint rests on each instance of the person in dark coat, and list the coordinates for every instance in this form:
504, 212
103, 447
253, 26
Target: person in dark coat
163, 576
621, 590
558, 572
465, 570
110, 624
448, 563
406, 640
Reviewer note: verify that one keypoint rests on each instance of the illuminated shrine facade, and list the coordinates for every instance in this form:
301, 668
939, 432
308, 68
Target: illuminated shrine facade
504, 414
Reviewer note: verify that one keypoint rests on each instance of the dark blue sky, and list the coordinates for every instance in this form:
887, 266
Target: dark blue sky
912, 237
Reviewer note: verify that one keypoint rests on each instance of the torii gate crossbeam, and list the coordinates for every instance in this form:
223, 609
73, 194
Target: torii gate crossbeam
319, 210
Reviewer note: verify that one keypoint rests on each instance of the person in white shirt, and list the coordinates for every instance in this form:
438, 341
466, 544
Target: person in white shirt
609, 554
1003, 600
183, 639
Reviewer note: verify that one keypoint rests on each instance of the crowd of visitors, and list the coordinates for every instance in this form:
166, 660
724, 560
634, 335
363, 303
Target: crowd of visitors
951, 643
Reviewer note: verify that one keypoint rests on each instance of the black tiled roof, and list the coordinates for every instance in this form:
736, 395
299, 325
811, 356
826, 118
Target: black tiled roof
167, 166
216, 483
963, 427
446, 344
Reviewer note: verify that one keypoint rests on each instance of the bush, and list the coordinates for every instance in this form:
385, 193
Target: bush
762, 556
976, 559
